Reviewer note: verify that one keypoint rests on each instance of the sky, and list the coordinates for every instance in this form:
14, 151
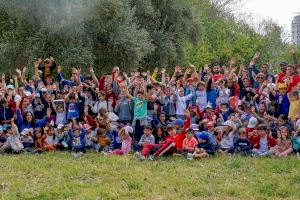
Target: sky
281, 11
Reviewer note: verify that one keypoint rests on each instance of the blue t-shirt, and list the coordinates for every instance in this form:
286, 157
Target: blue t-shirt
283, 104
72, 110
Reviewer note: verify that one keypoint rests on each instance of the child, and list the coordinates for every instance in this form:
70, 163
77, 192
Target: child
204, 147
72, 105
181, 103
60, 114
90, 134
50, 141
190, 142
226, 144
13, 142
296, 142
262, 142
126, 143
26, 138
284, 145
242, 145
39, 139
159, 135
102, 140
61, 137
147, 138
77, 138
294, 112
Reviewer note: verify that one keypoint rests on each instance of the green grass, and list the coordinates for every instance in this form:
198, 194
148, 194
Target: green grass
58, 175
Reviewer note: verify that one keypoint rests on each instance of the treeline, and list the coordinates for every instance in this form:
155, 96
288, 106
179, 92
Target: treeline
130, 33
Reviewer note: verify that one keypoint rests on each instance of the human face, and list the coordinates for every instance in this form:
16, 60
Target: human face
29, 117
262, 132
283, 68
162, 117
260, 78
265, 69
181, 92
172, 131
261, 108
289, 71
216, 69
147, 131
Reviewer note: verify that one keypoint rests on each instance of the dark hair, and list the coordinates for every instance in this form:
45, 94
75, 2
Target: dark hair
25, 118
262, 127
149, 87
283, 117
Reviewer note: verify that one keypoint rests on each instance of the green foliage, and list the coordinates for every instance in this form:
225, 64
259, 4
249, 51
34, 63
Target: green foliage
130, 33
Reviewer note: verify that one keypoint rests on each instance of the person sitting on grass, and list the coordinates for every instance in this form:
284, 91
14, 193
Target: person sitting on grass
171, 144
284, 144
126, 143
13, 143
262, 142
147, 138
189, 143
242, 145
77, 137
204, 147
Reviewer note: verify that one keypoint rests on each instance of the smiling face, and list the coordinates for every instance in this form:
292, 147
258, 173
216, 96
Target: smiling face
29, 117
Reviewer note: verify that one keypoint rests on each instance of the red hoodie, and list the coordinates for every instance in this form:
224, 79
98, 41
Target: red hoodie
178, 138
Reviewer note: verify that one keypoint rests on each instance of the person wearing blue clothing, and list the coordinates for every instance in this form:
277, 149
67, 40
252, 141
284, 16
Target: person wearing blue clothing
204, 147
77, 138
212, 93
28, 121
72, 105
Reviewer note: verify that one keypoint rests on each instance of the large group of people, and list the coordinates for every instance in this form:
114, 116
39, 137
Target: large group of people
193, 112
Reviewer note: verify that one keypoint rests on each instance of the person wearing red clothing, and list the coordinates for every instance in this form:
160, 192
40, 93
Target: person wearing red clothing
171, 144
262, 142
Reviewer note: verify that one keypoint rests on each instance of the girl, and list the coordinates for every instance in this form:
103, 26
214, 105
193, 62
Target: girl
126, 143
50, 139
284, 145
296, 142
13, 142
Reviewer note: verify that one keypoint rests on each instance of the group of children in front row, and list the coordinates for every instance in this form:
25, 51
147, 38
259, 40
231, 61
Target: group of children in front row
177, 138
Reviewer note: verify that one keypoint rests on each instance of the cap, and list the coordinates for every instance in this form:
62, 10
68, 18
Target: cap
228, 123
44, 90
27, 94
252, 122
178, 122
60, 126
10, 86
128, 129
202, 135
1, 129
208, 105
17, 98
282, 85
194, 127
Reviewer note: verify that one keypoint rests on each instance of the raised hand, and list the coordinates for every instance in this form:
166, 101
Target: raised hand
256, 56
163, 70
293, 50
91, 70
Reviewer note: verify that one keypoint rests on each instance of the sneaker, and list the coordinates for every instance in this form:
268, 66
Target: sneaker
298, 155
76, 155
141, 157
152, 158
189, 156
137, 153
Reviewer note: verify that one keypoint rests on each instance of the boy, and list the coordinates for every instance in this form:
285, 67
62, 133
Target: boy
262, 142
243, 145
204, 147
147, 138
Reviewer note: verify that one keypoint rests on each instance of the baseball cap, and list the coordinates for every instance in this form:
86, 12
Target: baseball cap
202, 135
283, 63
178, 122
10, 86
194, 127
171, 126
252, 122
228, 123
44, 90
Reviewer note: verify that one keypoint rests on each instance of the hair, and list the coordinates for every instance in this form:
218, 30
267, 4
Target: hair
283, 117
242, 131
295, 93
32, 123
262, 127
149, 87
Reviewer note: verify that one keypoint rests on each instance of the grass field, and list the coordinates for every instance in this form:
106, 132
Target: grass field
58, 175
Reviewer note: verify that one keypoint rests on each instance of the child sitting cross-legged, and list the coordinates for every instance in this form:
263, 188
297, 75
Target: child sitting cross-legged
242, 145
102, 140
77, 139
189, 143
13, 143
204, 147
